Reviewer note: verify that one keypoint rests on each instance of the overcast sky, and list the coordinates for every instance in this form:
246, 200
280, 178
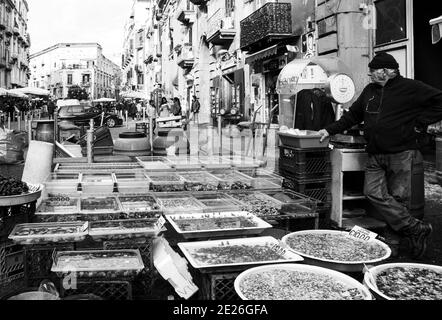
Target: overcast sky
54, 21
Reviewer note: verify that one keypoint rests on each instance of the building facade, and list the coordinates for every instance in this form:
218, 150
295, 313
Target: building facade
133, 66
231, 53
14, 44
64, 65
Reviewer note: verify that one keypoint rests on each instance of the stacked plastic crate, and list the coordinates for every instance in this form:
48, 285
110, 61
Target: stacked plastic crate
308, 171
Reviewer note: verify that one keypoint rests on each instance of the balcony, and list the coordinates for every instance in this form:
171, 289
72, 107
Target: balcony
199, 2
186, 16
86, 84
8, 31
16, 31
14, 56
149, 59
2, 62
186, 58
266, 26
2, 23
221, 29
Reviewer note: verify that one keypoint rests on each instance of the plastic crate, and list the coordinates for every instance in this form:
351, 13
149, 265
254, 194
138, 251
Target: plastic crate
142, 284
295, 222
108, 290
10, 216
305, 163
219, 287
317, 189
39, 260
11, 285
11, 261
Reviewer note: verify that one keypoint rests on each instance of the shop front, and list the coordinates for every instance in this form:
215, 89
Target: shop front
227, 90
265, 68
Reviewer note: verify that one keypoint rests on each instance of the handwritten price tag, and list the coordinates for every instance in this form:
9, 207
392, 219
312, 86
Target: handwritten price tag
362, 234
160, 223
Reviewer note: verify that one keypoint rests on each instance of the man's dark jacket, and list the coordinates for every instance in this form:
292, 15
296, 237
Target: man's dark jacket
391, 114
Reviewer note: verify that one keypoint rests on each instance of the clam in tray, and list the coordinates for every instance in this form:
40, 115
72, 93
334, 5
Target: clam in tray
42, 233
298, 282
236, 253
405, 281
336, 249
100, 263
217, 224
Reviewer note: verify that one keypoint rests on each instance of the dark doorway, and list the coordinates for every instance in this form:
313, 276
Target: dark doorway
427, 56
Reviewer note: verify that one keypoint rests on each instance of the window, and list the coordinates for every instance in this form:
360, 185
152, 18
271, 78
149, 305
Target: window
230, 7
69, 79
391, 21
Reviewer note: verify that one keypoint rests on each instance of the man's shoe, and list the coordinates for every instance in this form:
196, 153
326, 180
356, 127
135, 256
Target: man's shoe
418, 236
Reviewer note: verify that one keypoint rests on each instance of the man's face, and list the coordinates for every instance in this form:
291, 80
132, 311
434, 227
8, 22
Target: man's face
378, 76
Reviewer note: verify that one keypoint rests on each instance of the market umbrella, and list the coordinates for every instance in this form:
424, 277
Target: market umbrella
34, 91
104, 100
16, 93
134, 95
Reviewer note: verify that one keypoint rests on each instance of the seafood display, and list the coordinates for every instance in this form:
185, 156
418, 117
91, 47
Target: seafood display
335, 246
199, 181
285, 284
104, 263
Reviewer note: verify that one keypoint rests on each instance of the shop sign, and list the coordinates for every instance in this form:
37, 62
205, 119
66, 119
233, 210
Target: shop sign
342, 88
312, 74
228, 62
309, 45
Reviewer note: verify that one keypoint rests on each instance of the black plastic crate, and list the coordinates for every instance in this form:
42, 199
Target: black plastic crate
293, 222
143, 282
11, 261
219, 287
317, 189
299, 155
13, 215
107, 290
305, 163
39, 260
11, 285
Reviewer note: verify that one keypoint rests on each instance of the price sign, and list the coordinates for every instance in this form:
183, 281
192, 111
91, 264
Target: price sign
161, 221
279, 249
362, 234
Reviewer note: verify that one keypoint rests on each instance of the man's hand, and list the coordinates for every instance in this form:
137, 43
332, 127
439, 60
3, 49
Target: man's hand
324, 134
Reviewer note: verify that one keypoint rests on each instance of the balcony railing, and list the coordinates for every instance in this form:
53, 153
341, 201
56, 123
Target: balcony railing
221, 29
186, 15
186, 59
199, 2
270, 23
8, 31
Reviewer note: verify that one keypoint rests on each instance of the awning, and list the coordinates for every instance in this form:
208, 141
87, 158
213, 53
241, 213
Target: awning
261, 55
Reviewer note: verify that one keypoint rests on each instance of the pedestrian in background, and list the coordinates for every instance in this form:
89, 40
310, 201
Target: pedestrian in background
139, 109
152, 113
51, 109
132, 110
164, 110
195, 109
395, 111
176, 107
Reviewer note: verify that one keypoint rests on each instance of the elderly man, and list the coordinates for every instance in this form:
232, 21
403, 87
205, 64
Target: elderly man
395, 111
